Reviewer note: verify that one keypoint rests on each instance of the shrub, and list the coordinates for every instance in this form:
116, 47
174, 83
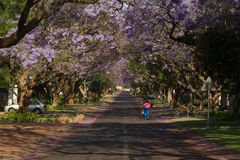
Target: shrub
84, 100
196, 102
94, 99
205, 103
19, 117
45, 120
59, 107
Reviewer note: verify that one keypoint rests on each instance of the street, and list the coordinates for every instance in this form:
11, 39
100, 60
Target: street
121, 133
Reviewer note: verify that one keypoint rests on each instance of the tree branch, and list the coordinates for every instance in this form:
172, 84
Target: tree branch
24, 28
25, 13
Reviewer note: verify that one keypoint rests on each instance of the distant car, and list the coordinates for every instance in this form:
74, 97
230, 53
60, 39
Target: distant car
35, 106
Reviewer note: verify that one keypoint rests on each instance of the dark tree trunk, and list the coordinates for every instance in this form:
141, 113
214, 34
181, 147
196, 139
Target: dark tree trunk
55, 99
223, 105
25, 88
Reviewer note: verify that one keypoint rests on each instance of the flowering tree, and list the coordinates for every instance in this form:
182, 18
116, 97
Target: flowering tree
36, 11
163, 27
66, 49
91, 40
164, 38
29, 64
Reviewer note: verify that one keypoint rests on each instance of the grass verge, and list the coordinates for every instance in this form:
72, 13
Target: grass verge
226, 133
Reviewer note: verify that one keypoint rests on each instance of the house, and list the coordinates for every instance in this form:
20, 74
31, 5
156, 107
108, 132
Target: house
8, 95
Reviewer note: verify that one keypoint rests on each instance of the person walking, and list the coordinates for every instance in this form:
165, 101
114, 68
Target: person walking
146, 109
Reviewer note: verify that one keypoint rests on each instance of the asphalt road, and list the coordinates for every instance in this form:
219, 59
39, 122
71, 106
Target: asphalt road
121, 133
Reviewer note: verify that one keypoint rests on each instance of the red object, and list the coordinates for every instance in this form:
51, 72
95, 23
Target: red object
147, 105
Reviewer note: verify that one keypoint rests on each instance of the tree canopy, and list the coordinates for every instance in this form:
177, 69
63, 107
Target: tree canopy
160, 44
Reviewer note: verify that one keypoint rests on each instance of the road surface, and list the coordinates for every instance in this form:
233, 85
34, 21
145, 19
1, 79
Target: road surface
121, 133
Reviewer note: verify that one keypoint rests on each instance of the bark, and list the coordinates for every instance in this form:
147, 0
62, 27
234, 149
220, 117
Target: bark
84, 88
66, 83
68, 90
185, 84
176, 97
223, 105
161, 95
55, 99
54, 91
170, 96
24, 27
234, 105
70, 99
24, 99
25, 87
215, 101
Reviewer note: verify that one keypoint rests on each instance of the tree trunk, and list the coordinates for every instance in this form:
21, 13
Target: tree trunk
67, 89
215, 101
55, 99
161, 95
25, 90
223, 105
170, 96
234, 106
23, 100
77, 97
83, 89
70, 99
176, 97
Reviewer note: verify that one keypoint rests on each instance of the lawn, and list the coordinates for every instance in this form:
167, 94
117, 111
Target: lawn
222, 132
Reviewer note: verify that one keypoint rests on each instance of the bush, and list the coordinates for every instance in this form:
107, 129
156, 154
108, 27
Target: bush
196, 102
205, 103
59, 107
155, 101
94, 99
19, 117
62, 99
84, 100
45, 120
